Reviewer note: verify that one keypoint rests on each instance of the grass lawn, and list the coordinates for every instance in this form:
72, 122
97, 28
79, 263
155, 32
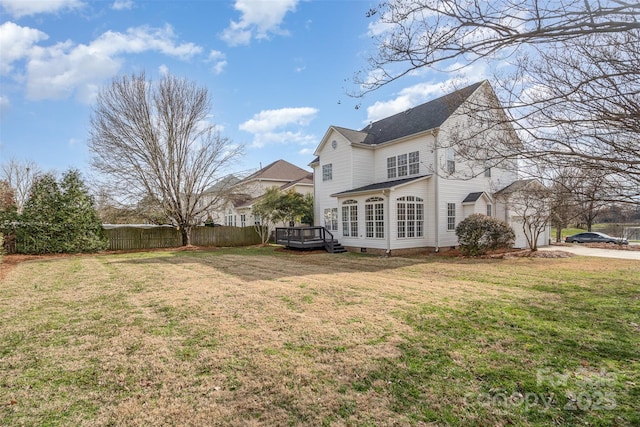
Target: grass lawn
255, 336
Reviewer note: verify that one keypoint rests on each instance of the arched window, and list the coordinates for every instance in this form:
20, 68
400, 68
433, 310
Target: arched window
350, 218
410, 217
374, 217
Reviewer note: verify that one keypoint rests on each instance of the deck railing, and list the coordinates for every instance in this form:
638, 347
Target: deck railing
305, 237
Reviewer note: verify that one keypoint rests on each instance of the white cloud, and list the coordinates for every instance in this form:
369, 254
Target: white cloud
219, 61
163, 70
407, 98
65, 68
16, 42
379, 27
283, 126
19, 8
219, 67
5, 104
122, 5
268, 120
259, 19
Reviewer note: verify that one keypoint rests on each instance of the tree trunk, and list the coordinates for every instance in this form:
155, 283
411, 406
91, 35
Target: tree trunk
186, 235
558, 234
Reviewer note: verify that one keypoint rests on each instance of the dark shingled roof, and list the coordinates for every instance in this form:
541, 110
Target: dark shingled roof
379, 186
414, 120
472, 197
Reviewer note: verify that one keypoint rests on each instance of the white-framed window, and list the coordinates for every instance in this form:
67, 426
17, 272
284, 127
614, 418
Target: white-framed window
228, 220
451, 162
451, 216
489, 211
327, 172
414, 163
374, 217
391, 167
402, 165
410, 212
487, 169
350, 218
257, 220
451, 166
243, 220
331, 219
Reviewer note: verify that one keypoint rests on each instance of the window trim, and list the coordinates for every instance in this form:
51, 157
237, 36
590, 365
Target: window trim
410, 217
403, 165
330, 216
327, 172
450, 161
374, 218
392, 167
350, 218
451, 216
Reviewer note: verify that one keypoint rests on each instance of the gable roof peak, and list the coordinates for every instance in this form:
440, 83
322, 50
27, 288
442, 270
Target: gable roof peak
279, 170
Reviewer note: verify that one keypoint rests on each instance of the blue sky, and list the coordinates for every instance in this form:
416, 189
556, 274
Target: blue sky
278, 71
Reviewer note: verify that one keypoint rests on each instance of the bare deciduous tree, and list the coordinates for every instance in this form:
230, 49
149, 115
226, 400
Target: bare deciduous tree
532, 205
153, 141
572, 91
20, 175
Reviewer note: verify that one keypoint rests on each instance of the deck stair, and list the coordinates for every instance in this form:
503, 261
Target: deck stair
334, 247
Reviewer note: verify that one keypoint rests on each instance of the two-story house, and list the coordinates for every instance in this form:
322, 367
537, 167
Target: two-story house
399, 184
235, 210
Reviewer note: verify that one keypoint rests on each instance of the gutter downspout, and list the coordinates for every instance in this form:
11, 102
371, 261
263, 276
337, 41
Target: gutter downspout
436, 195
387, 215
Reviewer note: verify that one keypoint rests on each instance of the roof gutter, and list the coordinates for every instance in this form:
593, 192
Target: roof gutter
387, 215
436, 197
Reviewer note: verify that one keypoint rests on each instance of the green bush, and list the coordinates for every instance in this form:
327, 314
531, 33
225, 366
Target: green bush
59, 218
479, 233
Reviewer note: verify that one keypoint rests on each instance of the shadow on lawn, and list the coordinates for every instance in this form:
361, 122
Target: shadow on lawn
270, 263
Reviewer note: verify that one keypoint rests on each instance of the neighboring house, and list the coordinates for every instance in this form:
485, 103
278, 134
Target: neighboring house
235, 210
399, 184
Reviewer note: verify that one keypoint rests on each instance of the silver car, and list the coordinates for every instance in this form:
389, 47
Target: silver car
595, 237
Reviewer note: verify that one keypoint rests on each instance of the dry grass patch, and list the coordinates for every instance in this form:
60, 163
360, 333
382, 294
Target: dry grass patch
260, 337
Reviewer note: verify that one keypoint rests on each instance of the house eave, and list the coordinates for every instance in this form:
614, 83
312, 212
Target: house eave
357, 192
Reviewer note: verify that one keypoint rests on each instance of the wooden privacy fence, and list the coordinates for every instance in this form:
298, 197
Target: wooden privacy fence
131, 238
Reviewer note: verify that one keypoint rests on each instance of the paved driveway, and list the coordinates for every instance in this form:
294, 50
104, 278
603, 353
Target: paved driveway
578, 249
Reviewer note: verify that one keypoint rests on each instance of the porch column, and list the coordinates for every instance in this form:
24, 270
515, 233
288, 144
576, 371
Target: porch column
387, 219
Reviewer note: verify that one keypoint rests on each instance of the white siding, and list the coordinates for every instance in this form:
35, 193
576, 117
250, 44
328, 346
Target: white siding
340, 159
362, 167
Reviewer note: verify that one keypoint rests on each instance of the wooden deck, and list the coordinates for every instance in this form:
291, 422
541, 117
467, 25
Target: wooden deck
308, 238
